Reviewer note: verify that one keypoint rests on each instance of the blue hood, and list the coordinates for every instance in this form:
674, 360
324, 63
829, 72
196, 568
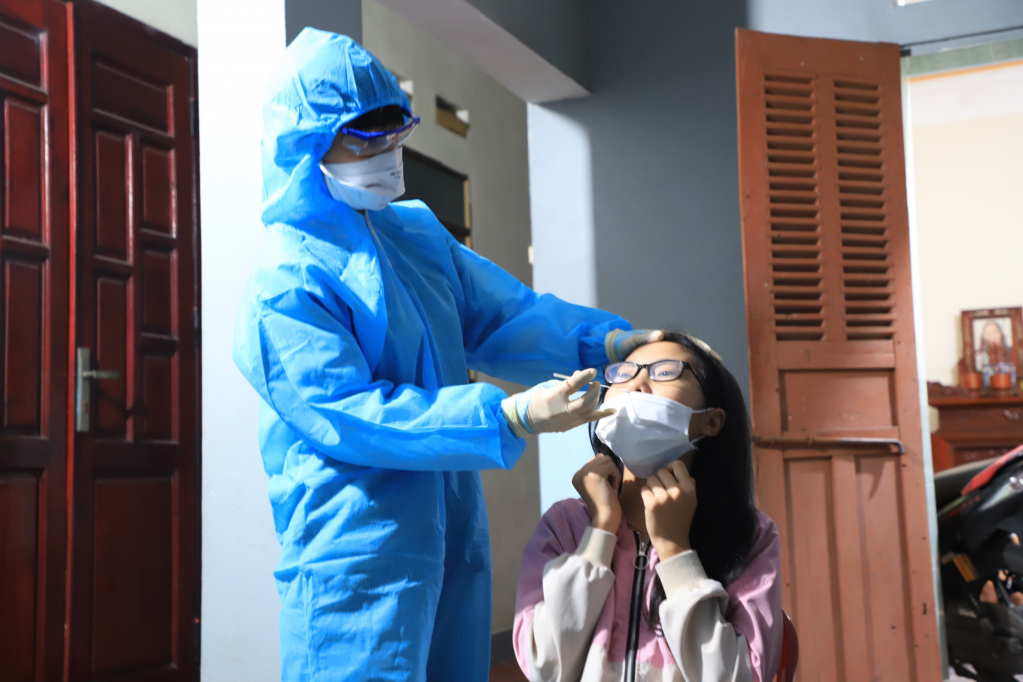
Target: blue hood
324, 81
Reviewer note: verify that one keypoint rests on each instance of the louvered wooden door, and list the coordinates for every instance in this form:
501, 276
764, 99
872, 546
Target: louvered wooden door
33, 337
134, 550
832, 352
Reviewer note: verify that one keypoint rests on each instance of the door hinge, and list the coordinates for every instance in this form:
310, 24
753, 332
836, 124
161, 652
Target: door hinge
193, 112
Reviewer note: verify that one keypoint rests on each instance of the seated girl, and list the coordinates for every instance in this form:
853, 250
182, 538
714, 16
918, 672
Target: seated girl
636, 580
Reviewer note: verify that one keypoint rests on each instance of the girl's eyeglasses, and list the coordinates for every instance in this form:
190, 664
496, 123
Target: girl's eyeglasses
662, 370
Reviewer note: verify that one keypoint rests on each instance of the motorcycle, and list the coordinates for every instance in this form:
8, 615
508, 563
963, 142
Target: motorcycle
980, 524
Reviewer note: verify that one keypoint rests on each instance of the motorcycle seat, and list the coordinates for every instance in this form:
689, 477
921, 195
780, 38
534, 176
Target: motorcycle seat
948, 484
989, 472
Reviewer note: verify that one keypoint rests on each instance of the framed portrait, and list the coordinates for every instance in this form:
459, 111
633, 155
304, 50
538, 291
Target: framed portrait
993, 342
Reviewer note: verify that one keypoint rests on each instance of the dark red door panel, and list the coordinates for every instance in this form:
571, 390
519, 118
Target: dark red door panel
34, 294
134, 551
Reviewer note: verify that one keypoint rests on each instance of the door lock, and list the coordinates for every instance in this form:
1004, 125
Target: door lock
83, 390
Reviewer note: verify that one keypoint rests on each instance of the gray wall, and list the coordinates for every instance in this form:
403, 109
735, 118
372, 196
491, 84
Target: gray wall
658, 134
883, 20
665, 179
655, 205
554, 29
337, 16
663, 175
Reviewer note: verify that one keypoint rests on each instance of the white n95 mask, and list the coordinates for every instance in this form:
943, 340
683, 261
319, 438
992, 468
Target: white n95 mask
647, 432
369, 184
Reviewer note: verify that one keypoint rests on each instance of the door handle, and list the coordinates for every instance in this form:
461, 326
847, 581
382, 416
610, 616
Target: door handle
810, 442
83, 390
94, 374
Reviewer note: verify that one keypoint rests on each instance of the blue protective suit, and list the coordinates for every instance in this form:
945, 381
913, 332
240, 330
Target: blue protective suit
357, 337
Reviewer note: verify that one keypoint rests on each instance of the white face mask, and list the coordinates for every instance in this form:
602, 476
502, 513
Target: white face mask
648, 432
369, 184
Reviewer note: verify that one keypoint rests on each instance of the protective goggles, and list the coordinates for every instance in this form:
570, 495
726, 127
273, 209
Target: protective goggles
662, 370
362, 143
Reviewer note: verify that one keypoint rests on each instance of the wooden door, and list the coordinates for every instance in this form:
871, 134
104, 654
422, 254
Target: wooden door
33, 336
134, 550
835, 400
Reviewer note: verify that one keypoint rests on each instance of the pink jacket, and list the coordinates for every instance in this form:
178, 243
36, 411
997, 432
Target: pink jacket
572, 610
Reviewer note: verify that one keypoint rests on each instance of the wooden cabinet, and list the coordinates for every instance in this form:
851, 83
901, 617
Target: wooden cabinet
973, 427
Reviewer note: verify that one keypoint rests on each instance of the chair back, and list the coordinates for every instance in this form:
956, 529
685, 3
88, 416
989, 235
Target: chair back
789, 650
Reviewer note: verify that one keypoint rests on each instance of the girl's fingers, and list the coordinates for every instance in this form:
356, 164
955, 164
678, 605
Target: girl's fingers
648, 496
667, 478
680, 470
596, 463
606, 467
657, 488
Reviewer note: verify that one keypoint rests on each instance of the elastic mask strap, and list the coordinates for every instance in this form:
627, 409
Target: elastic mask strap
699, 438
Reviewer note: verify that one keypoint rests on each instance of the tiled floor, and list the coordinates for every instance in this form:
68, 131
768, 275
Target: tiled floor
507, 672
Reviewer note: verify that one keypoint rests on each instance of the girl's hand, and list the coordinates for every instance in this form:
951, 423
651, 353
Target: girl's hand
669, 499
597, 483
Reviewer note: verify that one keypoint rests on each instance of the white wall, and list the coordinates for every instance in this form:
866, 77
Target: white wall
174, 17
494, 156
883, 20
240, 43
967, 147
564, 261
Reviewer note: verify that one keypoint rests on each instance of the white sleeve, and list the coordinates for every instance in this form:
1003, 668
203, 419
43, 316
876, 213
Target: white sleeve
575, 587
706, 647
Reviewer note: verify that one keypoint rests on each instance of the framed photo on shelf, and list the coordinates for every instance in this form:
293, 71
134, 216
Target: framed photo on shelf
993, 342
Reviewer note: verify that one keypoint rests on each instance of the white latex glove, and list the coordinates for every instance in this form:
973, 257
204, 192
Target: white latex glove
619, 343
546, 408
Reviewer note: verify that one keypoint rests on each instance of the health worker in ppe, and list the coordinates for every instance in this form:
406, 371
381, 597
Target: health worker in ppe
357, 328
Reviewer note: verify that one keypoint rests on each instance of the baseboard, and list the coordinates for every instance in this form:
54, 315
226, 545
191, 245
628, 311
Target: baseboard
501, 649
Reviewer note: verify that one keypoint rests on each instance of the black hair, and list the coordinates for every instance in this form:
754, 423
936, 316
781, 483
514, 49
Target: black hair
725, 519
384, 118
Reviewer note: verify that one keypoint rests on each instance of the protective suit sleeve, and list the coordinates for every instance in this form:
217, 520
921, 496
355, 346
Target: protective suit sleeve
515, 334
306, 364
